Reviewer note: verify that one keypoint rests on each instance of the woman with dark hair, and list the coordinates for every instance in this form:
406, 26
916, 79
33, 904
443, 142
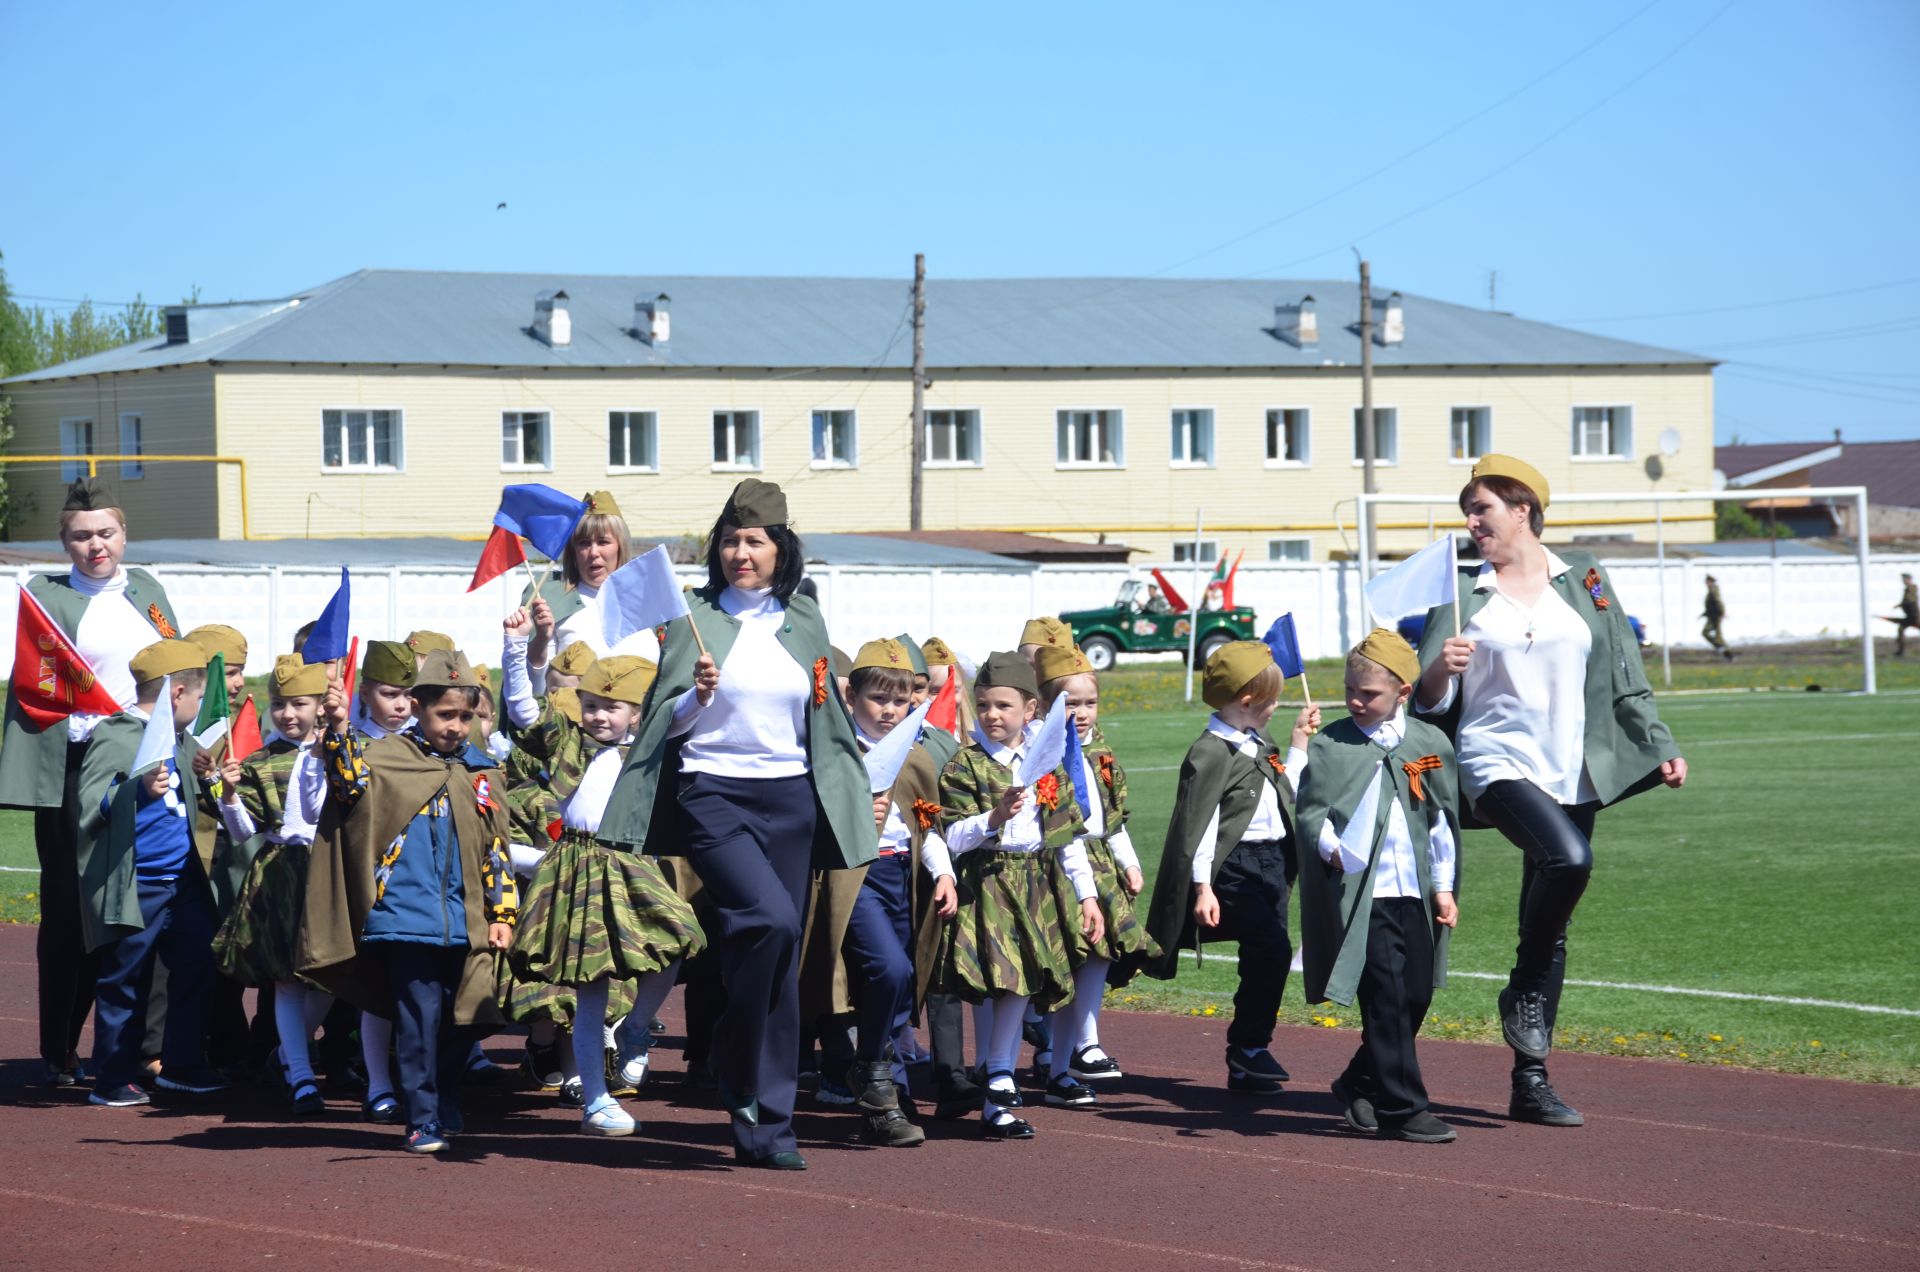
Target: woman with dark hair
111, 613
746, 766
1553, 719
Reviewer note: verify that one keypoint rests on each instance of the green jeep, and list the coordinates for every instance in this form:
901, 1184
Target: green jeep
1142, 622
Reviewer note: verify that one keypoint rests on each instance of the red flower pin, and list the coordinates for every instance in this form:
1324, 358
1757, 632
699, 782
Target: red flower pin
819, 682
1047, 791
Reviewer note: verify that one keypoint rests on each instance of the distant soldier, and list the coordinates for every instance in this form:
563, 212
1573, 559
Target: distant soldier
1909, 615
1715, 611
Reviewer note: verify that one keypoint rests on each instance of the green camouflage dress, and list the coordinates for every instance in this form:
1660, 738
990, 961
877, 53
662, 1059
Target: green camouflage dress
1127, 942
531, 807
1007, 937
255, 944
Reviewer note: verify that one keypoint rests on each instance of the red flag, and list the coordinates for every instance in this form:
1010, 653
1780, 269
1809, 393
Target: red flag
944, 711
50, 678
352, 669
502, 553
244, 737
1173, 596
1226, 582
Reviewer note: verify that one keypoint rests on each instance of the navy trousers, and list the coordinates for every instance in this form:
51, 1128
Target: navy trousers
428, 1049
751, 842
879, 938
1251, 884
179, 928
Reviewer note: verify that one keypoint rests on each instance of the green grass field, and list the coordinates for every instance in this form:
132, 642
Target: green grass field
1784, 869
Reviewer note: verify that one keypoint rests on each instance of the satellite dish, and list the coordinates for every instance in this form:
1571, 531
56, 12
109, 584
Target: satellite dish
1670, 442
1656, 469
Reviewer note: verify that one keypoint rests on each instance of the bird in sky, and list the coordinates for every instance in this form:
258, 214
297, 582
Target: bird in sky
500, 207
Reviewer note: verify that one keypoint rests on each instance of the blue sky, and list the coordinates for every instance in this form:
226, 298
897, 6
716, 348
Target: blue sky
1736, 179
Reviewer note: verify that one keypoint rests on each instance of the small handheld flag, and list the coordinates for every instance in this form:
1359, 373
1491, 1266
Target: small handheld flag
541, 515
502, 553
328, 639
943, 709
1428, 578
889, 755
213, 721
1049, 745
51, 680
159, 741
1284, 641
246, 731
1076, 764
641, 594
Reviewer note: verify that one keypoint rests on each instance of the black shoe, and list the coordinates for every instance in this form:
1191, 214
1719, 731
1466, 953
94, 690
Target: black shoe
1537, 1102
124, 1096
1247, 1084
1042, 1067
1068, 1092
1007, 1127
381, 1108
305, 1098
1357, 1109
1523, 1021
656, 1026
1005, 1093
785, 1159
1422, 1128
1037, 1034
57, 1077
744, 1111
1088, 1069
190, 1081
957, 1102
541, 1064
1260, 1064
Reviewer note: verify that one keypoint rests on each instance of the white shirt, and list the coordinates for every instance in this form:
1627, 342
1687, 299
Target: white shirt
588, 804
239, 822
111, 632
756, 725
1525, 713
894, 836
587, 625
1020, 832
1267, 823
1119, 843
1397, 874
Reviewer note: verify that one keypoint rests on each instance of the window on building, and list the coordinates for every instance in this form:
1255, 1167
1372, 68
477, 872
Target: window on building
1471, 432
361, 441
736, 440
526, 440
1090, 439
1386, 435
130, 444
633, 442
1209, 551
953, 439
1603, 432
835, 440
1289, 434
1192, 438
1290, 550
76, 438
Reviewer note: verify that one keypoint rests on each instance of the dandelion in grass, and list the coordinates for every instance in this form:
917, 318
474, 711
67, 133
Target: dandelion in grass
1714, 1038
1814, 1043
1619, 1040
1681, 1054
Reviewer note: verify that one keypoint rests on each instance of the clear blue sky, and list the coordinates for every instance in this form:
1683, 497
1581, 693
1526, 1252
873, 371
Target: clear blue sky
1622, 165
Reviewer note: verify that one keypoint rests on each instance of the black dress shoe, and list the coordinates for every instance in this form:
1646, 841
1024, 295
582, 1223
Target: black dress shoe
1357, 1109
1422, 1128
785, 1159
1007, 1127
1004, 1091
1537, 1102
1523, 1022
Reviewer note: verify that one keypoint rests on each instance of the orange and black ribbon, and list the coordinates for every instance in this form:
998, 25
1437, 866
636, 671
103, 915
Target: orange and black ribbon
1414, 768
1278, 768
1106, 768
1595, 590
160, 623
819, 682
926, 813
1047, 791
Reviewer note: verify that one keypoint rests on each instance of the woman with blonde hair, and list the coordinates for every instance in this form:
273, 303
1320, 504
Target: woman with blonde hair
566, 610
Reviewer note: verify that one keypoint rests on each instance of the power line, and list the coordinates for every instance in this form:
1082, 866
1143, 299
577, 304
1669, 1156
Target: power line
1882, 327
1752, 304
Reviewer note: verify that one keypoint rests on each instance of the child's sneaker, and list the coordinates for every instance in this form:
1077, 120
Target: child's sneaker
1247, 1084
124, 1096
831, 1092
1355, 1108
1256, 1063
1093, 1064
1422, 1128
541, 1064
605, 1117
627, 1072
426, 1139
573, 1093
191, 1081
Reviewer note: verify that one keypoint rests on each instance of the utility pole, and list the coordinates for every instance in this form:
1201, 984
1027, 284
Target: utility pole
1367, 482
919, 421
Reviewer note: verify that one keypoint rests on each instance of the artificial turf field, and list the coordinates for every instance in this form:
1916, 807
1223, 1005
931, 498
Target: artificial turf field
1783, 869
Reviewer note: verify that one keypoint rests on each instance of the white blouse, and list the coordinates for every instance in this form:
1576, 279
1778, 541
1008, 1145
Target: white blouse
111, 632
756, 725
1398, 873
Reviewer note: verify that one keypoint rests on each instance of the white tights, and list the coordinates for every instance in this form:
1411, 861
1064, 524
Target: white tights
1077, 1024
1003, 1044
297, 1012
376, 1052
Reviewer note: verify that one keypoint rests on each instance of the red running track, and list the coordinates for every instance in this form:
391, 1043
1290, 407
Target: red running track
1679, 1167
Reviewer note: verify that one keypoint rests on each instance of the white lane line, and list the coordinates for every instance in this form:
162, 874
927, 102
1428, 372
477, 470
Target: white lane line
1796, 739
21, 869
1727, 994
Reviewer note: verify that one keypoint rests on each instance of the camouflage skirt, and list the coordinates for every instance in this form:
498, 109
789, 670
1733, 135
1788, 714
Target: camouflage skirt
256, 943
594, 912
1006, 939
1127, 942
527, 1002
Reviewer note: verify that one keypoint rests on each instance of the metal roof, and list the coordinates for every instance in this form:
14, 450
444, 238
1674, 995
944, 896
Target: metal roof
415, 318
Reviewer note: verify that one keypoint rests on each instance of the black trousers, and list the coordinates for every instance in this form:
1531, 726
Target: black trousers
67, 972
1556, 843
751, 842
1396, 989
177, 920
429, 1050
946, 1017
1252, 884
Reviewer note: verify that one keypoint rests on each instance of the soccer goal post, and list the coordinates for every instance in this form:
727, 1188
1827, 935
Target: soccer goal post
1368, 549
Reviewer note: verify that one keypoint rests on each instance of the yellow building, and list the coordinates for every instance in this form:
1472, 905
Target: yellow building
398, 403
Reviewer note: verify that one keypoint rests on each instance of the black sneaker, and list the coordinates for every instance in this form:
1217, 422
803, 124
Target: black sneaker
1068, 1092
1260, 1064
1523, 1021
1247, 1084
190, 1081
426, 1139
541, 1064
1357, 1109
57, 1077
1537, 1102
1087, 1068
1422, 1128
125, 1096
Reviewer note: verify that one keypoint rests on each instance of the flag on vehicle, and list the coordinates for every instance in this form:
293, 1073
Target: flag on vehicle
1284, 641
1428, 578
641, 594
541, 515
328, 639
502, 553
213, 721
51, 680
1172, 593
1223, 575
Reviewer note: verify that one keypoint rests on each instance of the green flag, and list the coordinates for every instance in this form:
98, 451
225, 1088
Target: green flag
211, 724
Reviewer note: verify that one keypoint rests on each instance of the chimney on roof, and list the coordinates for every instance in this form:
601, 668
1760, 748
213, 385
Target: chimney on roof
1306, 323
551, 321
651, 320
177, 332
1394, 330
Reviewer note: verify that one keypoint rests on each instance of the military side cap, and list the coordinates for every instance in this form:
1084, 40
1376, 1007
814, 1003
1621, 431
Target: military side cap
1232, 667
89, 494
425, 642
389, 662
937, 654
218, 638
446, 669
842, 665
600, 504
1046, 631
566, 702
1390, 649
573, 660
883, 653
164, 658
483, 677
914, 656
1007, 671
755, 503
295, 677
1053, 662
623, 678
1518, 469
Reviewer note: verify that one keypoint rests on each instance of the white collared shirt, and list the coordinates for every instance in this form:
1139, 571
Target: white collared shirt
1020, 832
1397, 873
1267, 823
895, 837
756, 725
239, 822
110, 632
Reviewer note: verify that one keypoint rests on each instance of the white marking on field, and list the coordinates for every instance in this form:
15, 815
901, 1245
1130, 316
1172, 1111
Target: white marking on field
21, 869
1727, 994
1793, 739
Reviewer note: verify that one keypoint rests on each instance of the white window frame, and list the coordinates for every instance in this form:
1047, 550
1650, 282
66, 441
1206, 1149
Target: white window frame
346, 466
1206, 546
1177, 434
1305, 541
1307, 449
1380, 461
1119, 447
1610, 456
1470, 460
979, 459
653, 448
853, 438
132, 470
74, 470
518, 419
733, 464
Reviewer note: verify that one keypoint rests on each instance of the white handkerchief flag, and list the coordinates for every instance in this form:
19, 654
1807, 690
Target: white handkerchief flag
1427, 578
159, 742
1049, 745
642, 593
888, 756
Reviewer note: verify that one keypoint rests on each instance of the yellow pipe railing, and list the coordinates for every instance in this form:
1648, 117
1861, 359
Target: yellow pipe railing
93, 463
1266, 526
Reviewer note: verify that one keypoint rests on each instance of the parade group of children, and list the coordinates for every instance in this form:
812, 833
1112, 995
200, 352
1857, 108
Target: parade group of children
398, 873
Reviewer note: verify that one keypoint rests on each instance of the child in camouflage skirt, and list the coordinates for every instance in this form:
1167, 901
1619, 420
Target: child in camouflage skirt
1006, 945
596, 915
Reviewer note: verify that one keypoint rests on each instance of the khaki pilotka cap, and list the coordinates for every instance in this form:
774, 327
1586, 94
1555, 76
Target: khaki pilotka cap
623, 678
424, 642
1231, 669
164, 658
295, 677
218, 638
935, 651
447, 669
600, 504
1518, 469
573, 660
1006, 670
566, 701
890, 654
89, 494
1055, 663
755, 504
914, 656
390, 663
1046, 630
1390, 650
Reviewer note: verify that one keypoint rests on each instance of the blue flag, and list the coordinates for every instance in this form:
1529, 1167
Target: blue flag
1285, 644
1076, 767
328, 639
541, 515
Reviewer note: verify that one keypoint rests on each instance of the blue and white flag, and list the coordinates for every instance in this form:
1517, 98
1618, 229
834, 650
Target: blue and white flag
1077, 765
642, 594
1048, 746
888, 756
1428, 578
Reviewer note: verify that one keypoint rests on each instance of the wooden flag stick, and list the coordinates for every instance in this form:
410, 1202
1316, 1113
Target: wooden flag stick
1305, 688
